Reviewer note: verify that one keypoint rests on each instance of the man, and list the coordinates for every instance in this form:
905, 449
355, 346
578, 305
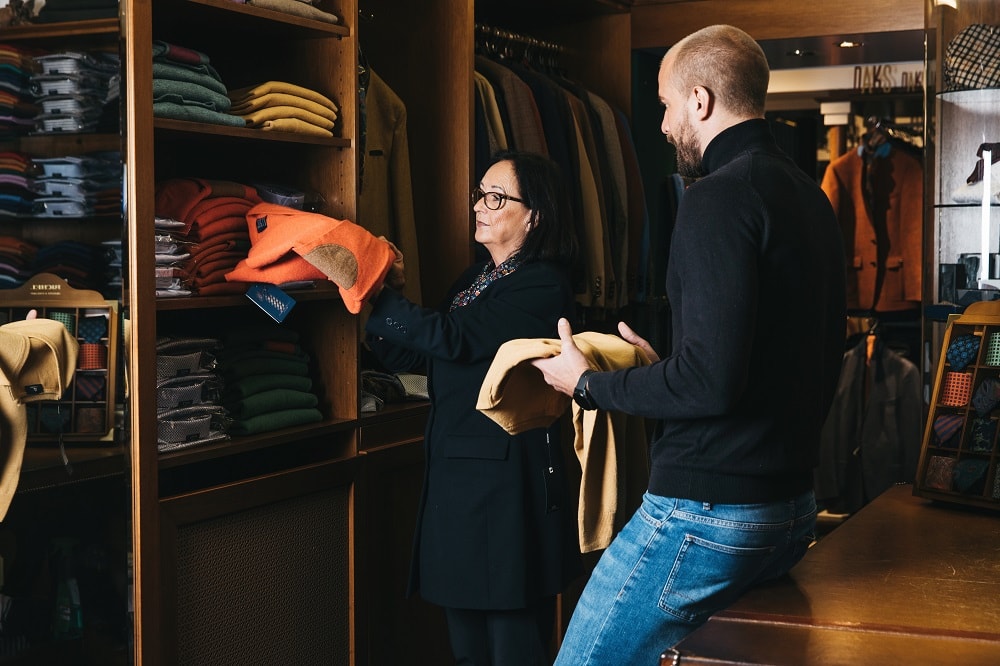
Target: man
755, 280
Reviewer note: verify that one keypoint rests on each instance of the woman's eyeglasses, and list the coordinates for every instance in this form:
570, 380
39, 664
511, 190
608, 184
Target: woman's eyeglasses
493, 200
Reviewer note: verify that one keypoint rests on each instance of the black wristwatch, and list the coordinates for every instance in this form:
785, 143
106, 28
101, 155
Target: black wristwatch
581, 394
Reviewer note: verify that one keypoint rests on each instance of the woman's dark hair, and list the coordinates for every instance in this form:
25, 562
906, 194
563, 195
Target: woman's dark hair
541, 185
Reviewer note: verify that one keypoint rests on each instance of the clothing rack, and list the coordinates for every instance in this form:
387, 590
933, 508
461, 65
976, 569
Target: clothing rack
899, 330
507, 45
887, 129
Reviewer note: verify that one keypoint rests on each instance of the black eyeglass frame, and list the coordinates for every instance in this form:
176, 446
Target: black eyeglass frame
500, 198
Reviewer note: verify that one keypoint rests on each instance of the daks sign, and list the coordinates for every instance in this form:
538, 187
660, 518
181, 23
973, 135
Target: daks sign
887, 78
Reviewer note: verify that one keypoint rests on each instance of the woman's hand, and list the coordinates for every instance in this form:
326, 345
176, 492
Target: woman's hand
396, 277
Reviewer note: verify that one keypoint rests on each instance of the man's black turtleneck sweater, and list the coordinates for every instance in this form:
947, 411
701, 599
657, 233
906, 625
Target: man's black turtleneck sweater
755, 282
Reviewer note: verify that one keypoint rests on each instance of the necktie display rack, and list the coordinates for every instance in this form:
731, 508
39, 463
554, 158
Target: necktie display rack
960, 453
86, 411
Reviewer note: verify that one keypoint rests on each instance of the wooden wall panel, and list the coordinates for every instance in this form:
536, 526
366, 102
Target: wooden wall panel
659, 25
598, 52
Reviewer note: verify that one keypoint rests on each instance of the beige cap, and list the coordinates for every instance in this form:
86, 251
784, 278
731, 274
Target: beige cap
37, 362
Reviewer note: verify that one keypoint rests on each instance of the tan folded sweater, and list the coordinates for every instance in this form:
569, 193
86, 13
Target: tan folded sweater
610, 446
271, 100
242, 95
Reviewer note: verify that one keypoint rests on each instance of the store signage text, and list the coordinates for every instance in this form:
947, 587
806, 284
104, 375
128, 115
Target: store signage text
887, 78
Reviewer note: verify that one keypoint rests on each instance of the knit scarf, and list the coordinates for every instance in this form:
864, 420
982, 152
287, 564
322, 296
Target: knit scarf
485, 279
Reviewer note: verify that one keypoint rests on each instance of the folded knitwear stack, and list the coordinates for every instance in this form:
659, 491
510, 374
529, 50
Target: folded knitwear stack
267, 382
82, 265
187, 87
279, 106
17, 189
17, 103
59, 11
289, 245
16, 258
210, 220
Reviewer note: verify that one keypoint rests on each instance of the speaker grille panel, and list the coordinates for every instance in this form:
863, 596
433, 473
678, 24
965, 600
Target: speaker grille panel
269, 585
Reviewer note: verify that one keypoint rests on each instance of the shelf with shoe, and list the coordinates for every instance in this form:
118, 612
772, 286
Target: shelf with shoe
966, 193
961, 235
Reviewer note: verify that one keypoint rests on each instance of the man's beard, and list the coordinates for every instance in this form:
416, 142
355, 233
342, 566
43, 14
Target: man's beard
688, 160
688, 153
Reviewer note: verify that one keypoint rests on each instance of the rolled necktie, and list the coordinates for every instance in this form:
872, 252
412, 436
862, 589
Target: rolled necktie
91, 419
993, 349
92, 329
987, 397
946, 427
89, 387
940, 471
970, 475
67, 319
93, 356
983, 432
54, 418
962, 351
955, 388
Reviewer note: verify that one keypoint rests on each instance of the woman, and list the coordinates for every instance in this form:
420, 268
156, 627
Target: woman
495, 539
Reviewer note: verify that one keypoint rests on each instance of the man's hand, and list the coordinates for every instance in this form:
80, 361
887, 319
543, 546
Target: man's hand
563, 371
631, 336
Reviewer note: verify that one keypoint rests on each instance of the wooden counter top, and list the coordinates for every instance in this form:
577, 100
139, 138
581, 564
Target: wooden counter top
905, 580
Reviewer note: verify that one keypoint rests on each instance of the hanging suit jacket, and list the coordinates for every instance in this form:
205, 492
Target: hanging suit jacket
525, 131
879, 202
871, 438
385, 204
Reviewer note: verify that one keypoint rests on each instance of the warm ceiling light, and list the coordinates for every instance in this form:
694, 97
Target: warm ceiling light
849, 44
800, 53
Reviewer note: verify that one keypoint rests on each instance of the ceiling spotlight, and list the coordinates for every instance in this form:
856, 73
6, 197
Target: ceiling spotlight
801, 53
850, 44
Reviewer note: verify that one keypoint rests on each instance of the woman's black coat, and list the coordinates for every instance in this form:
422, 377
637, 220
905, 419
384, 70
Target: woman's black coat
496, 528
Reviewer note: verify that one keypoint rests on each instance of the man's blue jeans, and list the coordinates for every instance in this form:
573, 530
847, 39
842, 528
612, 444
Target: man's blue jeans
673, 565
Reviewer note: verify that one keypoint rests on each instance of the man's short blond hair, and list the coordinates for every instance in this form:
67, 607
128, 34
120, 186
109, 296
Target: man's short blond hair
728, 62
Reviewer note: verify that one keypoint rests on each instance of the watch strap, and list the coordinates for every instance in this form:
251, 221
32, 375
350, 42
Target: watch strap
581, 394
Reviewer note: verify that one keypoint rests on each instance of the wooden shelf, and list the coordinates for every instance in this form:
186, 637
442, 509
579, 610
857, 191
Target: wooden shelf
41, 32
274, 19
278, 438
43, 465
323, 291
208, 129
